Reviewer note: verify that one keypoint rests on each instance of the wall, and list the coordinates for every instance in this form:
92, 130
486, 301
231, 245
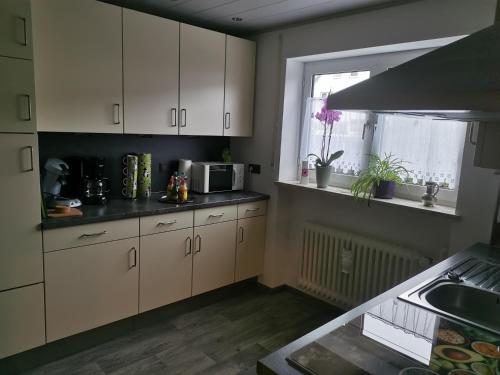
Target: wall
427, 19
165, 149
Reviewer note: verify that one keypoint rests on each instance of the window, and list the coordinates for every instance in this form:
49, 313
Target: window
323, 84
347, 135
430, 148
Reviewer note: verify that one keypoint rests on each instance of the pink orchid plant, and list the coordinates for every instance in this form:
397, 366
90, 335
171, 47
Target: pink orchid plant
328, 117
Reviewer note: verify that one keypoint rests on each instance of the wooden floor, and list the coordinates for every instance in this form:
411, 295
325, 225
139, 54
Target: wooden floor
227, 337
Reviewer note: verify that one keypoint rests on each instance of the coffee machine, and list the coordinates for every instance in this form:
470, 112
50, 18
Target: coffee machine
55, 175
87, 179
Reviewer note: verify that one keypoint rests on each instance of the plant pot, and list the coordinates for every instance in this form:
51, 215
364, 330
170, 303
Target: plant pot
323, 175
385, 190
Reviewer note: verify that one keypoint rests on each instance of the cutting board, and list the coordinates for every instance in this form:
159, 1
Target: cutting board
72, 212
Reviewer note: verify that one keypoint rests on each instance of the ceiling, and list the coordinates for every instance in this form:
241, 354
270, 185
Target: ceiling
255, 15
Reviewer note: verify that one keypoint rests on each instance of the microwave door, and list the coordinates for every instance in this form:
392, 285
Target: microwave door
220, 178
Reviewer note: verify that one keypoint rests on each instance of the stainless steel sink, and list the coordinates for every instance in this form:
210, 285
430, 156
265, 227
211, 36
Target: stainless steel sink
466, 302
468, 292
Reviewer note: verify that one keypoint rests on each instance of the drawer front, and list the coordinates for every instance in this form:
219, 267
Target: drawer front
166, 222
252, 209
215, 215
88, 234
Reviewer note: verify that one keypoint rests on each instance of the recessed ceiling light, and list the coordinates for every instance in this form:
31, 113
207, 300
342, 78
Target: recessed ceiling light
237, 19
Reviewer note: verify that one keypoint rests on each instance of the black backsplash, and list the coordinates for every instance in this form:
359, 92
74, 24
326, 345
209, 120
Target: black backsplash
165, 150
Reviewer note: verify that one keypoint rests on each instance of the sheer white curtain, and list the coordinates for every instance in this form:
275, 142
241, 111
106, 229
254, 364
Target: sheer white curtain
347, 135
431, 148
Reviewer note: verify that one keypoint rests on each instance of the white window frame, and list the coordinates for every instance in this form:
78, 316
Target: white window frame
376, 64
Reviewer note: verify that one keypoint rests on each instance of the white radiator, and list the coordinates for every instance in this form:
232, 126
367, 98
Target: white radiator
348, 269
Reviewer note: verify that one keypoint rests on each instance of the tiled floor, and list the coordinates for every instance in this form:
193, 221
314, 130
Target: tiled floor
226, 337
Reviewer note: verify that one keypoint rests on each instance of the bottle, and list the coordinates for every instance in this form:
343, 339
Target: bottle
304, 174
183, 193
170, 187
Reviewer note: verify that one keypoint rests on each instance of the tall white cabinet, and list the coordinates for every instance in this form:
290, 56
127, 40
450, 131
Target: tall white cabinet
22, 316
17, 96
21, 319
78, 66
15, 29
21, 244
239, 87
150, 73
202, 64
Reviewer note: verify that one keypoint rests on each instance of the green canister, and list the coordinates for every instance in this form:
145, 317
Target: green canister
144, 176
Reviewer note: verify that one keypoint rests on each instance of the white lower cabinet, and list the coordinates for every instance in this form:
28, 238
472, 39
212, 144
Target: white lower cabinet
213, 256
250, 247
22, 323
90, 286
166, 268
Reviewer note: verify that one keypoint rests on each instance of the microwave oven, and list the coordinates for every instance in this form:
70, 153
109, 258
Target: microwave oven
216, 177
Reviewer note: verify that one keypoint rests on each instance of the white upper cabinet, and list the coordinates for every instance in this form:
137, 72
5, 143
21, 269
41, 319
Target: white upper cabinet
17, 96
202, 61
15, 29
21, 238
239, 87
78, 65
151, 73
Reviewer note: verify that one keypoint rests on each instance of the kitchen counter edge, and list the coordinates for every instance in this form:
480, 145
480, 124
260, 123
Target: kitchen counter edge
152, 207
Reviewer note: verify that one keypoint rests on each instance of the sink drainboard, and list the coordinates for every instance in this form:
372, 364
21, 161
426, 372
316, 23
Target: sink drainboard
480, 273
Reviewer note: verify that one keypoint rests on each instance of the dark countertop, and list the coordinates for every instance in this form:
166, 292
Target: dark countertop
118, 208
346, 346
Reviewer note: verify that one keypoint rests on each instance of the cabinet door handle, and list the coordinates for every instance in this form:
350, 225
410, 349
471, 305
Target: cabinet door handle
198, 237
116, 114
24, 42
32, 166
173, 117
28, 108
85, 235
188, 249
162, 223
227, 120
242, 232
132, 258
213, 216
252, 209
183, 118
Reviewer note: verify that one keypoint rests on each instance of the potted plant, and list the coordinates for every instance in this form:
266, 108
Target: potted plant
380, 178
325, 159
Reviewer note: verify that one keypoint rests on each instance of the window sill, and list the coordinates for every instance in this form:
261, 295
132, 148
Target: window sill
437, 210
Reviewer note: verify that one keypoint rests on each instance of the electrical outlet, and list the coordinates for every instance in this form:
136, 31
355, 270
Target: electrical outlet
254, 168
